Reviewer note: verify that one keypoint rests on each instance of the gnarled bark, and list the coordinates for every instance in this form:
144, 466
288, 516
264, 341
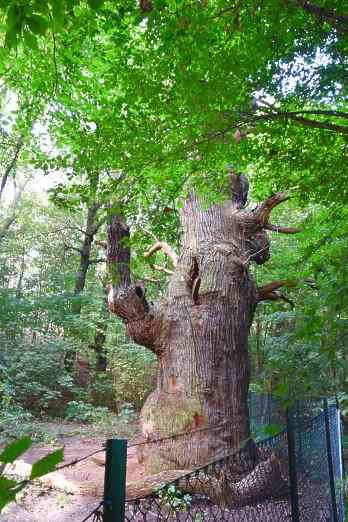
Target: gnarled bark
199, 331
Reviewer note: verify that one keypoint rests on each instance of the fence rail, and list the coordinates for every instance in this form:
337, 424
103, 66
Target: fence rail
294, 476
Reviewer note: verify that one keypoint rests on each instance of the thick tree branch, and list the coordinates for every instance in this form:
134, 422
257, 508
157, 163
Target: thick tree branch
262, 212
168, 250
341, 129
336, 114
85, 253
270, 291
340, 22
274, 286
276, 296
142, 320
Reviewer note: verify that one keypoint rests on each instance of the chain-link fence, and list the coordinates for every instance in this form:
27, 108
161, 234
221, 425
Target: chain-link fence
296, 475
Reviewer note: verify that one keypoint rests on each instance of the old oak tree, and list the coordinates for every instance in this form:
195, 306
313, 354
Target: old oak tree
199, 330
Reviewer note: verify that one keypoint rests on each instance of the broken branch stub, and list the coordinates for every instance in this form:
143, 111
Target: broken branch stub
167, 249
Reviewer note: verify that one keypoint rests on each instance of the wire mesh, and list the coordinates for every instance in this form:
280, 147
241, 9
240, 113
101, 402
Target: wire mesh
253, 484
248, 485
96, 515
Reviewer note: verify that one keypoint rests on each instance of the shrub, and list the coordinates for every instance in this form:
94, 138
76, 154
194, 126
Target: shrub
32, 373
134, 370
84, 412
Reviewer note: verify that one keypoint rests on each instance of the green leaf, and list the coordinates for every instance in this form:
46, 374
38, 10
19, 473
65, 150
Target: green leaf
15, 449
95, 4
38, 24
14, 16
57, 13
282, 390
7, 491
30, 40
11, 38
47, 464
272, 429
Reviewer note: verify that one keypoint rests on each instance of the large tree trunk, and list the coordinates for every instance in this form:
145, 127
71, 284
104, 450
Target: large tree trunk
200, 332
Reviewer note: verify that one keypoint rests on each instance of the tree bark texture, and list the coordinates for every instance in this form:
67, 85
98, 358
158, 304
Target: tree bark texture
199, 332
85, 253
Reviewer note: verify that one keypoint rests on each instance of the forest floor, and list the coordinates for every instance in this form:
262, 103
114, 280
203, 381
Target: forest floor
72, 493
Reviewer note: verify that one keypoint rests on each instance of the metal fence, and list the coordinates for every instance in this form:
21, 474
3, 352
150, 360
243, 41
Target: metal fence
296, 475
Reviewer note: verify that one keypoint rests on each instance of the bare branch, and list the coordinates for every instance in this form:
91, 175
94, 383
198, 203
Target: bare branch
102, 244
282, 230
276, 296
162, 269
95, 261
270, 291
274, 286
71, 247
168, 250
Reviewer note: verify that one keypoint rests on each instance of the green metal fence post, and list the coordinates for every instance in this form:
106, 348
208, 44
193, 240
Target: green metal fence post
115, 480
330, 462
295, 511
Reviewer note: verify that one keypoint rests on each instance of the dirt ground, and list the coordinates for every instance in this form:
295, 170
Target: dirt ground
81, 485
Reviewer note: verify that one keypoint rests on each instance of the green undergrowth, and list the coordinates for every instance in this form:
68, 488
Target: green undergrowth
100, 424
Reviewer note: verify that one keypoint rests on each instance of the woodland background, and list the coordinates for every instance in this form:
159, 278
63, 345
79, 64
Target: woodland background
124, 106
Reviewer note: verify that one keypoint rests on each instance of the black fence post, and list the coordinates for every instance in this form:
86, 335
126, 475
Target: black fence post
330, 462
295, 512
115, 480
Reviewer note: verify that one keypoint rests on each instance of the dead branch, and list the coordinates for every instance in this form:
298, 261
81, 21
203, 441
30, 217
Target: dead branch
270, 291
168, 250
276, 296
102, 244
282, 230
98, 260
274, 286
71, 247
162, 269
